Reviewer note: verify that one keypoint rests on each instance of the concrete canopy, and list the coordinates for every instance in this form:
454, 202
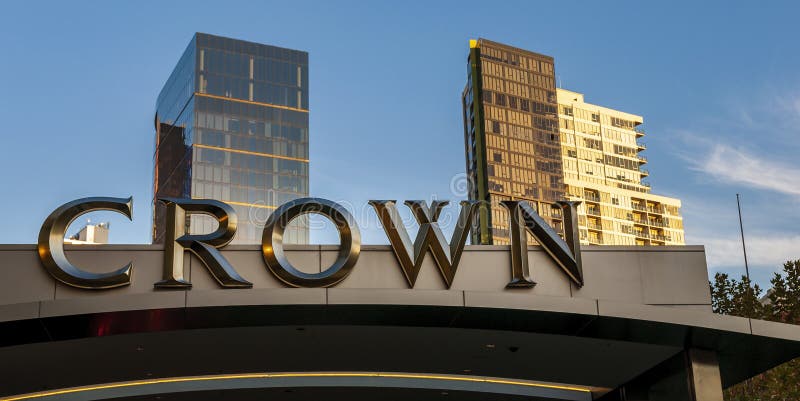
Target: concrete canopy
371, 332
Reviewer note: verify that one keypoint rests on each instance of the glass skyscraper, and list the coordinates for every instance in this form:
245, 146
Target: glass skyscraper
232, 124
513, 149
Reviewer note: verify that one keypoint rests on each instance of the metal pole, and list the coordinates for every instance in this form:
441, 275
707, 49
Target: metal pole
741, 229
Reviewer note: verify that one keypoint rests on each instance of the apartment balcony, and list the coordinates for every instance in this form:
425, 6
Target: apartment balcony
639, 207
641, 146
656, 223
639, 132
594, 211
593, 226
655, 209
642, 159
595, 241
639, 221
591, 197
644, 173
662, 238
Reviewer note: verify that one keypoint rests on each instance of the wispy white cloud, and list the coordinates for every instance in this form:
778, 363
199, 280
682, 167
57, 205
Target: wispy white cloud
785, 105
735, 166
727, 150
777, 108
762, 251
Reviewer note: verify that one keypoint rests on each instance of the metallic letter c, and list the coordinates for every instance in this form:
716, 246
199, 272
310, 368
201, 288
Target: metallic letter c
51, 244
272, 242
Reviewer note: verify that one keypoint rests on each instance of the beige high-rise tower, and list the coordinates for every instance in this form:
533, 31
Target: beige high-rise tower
525, 139
603, 169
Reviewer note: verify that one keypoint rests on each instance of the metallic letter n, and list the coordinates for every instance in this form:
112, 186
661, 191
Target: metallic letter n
566, 254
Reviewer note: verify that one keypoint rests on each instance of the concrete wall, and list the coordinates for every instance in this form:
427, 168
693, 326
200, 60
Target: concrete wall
617, 277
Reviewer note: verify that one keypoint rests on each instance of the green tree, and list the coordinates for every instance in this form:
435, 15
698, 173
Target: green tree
740, 298
784, 298
736, 297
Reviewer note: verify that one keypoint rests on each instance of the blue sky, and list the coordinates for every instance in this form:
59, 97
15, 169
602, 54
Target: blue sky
718, 84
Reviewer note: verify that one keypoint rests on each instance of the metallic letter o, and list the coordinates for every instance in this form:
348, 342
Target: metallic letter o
272, 242
51, 244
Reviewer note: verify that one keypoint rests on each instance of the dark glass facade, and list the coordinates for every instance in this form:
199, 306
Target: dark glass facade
511, 135
232, 124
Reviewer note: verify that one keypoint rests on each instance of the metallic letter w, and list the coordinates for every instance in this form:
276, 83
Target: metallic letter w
429, 236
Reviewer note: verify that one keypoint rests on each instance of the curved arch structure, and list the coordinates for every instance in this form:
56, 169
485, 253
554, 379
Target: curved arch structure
639, 325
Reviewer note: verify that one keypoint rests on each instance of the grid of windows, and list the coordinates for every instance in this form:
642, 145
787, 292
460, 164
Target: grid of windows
527, 140
602, 169
232, 125
607, 216
522, 144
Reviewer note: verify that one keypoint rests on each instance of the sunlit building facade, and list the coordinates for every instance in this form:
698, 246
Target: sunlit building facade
90, 234
603, 168
232, 125
527, 140
512, 143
